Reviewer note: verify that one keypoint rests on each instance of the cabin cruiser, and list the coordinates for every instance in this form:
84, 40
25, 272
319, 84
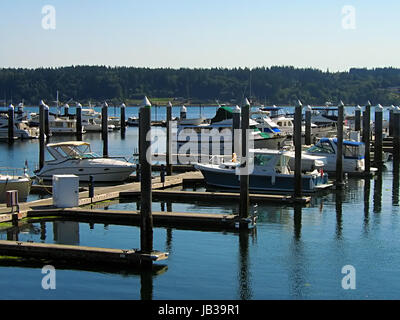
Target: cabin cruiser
57, 124
21, 129
353, 155
76, 157
133, 121
270, 172
14, 179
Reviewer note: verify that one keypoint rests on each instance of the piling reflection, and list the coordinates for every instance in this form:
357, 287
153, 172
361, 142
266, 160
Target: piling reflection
245, 291
378, 184
367, 188
339, 214
297, 275
395, 185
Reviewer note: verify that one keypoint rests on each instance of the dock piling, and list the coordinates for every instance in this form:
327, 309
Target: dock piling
11, 124
391, 119
297, 146
123, 120
146, 219
169, 139
104, 128
79, 122
367, 137
378, 145
235, 128
396, 137
41, 135
244, 174
307, 140
357, 120
339, 155
46, 123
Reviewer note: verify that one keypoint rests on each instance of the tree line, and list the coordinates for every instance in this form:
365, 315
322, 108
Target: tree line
273, 85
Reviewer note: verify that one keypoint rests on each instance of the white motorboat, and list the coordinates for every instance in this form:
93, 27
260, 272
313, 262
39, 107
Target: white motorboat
21, 129
270, 172
133, 121
75, 157
353, 155
14, 179
58, 124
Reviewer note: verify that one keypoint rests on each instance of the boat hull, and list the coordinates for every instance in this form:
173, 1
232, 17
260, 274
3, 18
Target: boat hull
277, 183
101, 172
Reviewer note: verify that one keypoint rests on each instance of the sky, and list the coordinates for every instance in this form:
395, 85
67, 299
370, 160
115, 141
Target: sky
327, 34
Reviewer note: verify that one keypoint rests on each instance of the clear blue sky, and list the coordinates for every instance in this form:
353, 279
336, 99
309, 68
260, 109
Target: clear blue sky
200, 33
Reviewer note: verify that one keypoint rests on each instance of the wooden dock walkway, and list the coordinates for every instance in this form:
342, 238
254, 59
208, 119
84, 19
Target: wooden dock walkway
78, 253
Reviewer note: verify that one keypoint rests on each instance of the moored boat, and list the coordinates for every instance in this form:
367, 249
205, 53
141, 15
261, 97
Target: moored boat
269, 172
75, 157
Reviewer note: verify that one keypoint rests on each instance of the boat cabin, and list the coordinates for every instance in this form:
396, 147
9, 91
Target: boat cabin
71, 150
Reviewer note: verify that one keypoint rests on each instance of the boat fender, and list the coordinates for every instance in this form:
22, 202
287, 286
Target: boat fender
234, 157
273, 179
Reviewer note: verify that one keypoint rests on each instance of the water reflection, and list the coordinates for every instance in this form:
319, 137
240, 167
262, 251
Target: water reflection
339, 214
66, 232
367, 187
378, 184
245, 291
297, 272
395, 186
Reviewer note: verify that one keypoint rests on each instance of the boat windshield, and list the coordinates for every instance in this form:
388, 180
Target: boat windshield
322, 147
76, 152
264, 159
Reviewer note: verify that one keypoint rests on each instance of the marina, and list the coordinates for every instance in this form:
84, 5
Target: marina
186, 205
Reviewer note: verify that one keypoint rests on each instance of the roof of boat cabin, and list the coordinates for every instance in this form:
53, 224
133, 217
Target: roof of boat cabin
69, 143
346, 142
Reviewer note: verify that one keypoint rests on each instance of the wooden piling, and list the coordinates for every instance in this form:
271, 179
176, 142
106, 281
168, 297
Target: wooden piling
123, 119
183, 113
307, 140
235, 128
104, 128
146, 219
297, 146
41, 135
396, 137
11, 124
357, 120
367, 138
169, 139
391, 119
79, 122
339, 154
46, 123
378, 145
66, 110
244, 174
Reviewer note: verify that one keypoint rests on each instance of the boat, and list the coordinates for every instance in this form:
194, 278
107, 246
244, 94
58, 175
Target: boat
270, 172
353, 155
220, 128
133, 121
22, 130
76, 157
58, 125
14, 179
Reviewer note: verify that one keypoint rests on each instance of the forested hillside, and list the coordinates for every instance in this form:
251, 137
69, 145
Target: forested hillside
275, 85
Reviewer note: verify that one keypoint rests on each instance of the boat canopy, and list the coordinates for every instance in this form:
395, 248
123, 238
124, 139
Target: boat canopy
345, 142
71, 150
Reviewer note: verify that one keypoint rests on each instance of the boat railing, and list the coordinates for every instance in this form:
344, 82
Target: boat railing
13, 172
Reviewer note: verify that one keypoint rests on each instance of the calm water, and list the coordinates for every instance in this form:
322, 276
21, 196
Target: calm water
294, 253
